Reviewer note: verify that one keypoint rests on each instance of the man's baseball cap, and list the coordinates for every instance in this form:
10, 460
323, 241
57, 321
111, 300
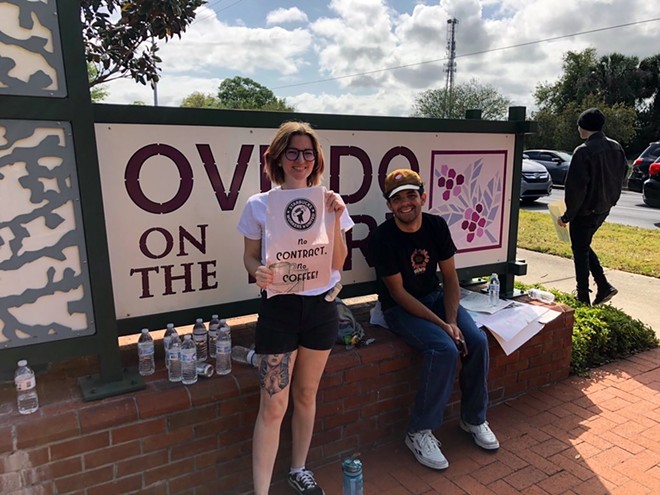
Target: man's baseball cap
401, 179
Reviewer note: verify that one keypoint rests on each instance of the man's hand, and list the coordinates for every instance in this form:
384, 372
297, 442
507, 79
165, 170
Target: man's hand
561, 223
456, 334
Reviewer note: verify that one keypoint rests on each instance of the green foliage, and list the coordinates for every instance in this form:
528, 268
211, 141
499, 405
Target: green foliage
436, 103
243, 93
602, 333
116, 45
625, 89
198, 99
97, 93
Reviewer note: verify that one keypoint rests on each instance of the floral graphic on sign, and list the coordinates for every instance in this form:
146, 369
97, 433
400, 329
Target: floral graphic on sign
467, 190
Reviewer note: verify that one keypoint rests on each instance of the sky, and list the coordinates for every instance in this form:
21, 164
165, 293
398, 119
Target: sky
372, 57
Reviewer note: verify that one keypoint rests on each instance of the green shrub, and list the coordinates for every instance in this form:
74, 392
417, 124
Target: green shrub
602, 334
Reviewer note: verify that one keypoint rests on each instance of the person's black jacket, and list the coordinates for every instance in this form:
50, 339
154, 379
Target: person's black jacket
595, 177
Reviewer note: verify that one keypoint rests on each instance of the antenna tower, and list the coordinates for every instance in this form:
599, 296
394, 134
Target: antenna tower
451, 64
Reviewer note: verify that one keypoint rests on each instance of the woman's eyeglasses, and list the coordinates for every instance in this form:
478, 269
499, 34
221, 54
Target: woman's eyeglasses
292, 154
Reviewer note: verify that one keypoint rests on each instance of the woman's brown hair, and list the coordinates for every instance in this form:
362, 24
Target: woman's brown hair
281, 141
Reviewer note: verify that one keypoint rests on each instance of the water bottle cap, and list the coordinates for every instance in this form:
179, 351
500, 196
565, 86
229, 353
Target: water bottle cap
22, 362
187, 337
199, 320
352, 465
170, 325
145, 330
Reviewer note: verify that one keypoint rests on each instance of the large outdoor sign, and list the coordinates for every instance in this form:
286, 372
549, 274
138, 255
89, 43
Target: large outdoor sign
173, 196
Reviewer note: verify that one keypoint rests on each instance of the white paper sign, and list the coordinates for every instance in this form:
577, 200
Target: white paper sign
298, 247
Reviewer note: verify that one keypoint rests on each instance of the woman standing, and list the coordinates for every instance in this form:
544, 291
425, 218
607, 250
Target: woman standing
295, 332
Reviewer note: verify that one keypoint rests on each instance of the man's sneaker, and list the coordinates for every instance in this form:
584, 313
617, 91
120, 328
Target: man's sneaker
604, 294
426, 449
304, 483
482, 434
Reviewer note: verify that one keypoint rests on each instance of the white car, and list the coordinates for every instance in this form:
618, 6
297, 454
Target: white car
535, 183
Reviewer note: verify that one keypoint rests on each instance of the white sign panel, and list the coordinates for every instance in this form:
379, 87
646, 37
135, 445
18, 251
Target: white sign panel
173, 195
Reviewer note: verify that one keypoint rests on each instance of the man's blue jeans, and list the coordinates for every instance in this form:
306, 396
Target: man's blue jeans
439, 366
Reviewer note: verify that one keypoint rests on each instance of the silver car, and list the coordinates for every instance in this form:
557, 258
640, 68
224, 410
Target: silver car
536, 181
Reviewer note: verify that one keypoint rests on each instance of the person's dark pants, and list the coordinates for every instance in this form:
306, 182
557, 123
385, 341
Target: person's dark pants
582, 230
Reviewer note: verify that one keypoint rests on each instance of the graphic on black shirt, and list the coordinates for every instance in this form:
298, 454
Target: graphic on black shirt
419, 259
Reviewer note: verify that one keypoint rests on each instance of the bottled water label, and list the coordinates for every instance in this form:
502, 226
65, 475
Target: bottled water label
26, 383
223, 346
146, 349
187, 357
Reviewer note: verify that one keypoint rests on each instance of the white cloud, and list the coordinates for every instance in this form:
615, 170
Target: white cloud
363, 37
284, 16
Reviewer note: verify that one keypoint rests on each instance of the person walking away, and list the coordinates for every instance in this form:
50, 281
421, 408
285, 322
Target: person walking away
407, 249
295, 331
593, 186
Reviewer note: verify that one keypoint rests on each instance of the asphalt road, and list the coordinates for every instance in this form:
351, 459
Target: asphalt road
630, 209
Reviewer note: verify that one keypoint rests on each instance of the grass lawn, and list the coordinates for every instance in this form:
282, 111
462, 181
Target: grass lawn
619, 247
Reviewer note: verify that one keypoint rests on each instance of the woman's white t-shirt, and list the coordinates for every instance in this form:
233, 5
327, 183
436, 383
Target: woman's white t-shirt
253, 222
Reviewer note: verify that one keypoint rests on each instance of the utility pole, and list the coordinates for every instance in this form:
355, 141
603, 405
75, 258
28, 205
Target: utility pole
450, 68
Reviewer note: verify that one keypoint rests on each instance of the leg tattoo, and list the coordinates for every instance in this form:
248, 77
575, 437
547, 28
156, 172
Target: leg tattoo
274, 372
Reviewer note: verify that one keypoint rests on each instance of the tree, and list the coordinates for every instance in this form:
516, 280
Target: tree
200, 100
98, 93
243, 93
125, 46
615, 83
435, 103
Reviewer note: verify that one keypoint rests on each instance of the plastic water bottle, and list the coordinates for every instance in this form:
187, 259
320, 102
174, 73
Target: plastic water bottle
26, 389
188, 361
352, 483
167, 339
542, 295
201, 337
244, 355
223, 351
146, 363
214, 325
494, 290
174, 369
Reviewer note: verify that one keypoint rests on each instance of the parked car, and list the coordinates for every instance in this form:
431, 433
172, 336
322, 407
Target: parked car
651, 187
640, 167
536, 181
556, 162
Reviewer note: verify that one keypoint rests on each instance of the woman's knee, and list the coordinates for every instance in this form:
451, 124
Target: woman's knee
272, 411
304, 396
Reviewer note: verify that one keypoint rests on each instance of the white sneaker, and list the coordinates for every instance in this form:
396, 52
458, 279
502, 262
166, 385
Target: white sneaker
426, 449
482, 434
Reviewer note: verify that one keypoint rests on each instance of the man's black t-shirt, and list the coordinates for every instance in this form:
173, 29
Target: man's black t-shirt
415, 255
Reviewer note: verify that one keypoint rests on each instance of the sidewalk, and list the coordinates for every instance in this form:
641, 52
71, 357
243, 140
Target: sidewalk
638, 295
583, 436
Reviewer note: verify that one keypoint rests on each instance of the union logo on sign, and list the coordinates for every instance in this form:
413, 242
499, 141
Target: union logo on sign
300, 214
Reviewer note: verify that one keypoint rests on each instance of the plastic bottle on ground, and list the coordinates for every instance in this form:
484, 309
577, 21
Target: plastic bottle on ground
223, 350
188, 361
167, 338
174, 369
352, 479
214, 325
146, 362
26, 389
542, 295
244, 355
494, 289
201, 337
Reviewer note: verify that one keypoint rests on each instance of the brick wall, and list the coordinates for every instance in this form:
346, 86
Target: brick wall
172, 439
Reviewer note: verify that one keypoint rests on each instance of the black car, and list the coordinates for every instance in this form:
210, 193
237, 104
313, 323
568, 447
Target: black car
640, 167
651, 187
555, 162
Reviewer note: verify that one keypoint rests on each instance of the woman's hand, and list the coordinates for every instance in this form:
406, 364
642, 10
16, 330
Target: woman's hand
264, 276
334, 203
